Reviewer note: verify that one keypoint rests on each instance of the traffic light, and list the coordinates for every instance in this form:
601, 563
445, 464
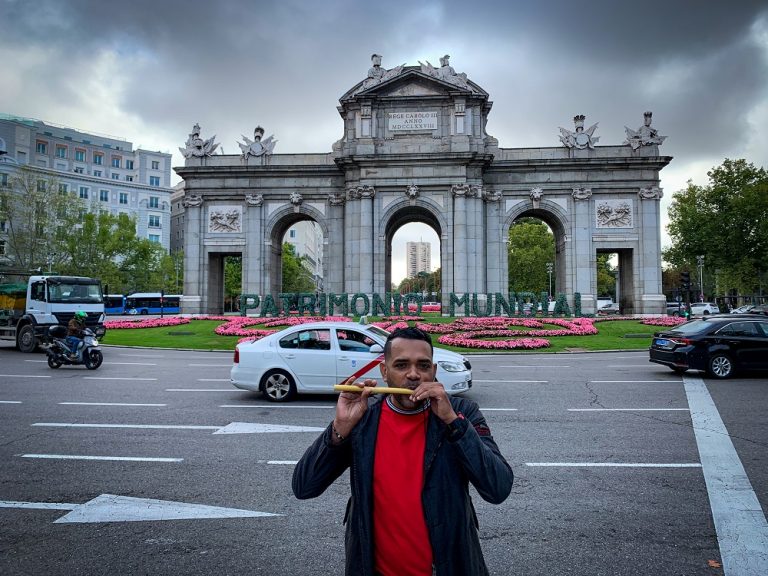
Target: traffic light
685, 280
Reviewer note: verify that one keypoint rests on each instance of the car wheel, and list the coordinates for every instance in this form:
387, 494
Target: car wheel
676, 313
720, 366
706, 312
678, 370
278, 386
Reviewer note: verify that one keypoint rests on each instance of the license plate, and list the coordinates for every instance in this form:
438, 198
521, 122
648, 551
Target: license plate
661, 342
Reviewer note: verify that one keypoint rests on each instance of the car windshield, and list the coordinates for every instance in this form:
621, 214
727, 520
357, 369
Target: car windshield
693, 327
379, 332
72, 291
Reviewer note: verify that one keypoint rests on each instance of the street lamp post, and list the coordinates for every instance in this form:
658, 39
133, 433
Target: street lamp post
550, 267
700, 262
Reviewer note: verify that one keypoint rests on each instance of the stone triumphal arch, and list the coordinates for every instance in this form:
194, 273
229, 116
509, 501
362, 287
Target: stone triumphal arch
414, 148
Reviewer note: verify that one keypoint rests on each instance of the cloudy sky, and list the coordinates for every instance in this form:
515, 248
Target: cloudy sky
148, 70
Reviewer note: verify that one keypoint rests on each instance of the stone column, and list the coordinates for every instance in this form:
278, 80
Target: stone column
476, 234
652, 299
583, 261
352, 240
253, 257
367, 233
334, 276
194, 271
496, 247
460, 259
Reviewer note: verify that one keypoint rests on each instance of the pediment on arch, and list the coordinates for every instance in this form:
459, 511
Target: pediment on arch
412, 82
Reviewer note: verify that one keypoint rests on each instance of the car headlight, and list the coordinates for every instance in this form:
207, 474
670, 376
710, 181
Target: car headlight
451, 366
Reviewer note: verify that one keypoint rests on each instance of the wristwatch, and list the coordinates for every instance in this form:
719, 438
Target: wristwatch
457, 428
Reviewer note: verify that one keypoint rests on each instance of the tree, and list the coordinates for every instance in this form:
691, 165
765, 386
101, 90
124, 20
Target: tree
531, 246
38, 212
726, 222
233, 281
297, 277
606, 276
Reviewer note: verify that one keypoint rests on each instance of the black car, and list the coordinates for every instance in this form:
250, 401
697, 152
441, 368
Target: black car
720, 344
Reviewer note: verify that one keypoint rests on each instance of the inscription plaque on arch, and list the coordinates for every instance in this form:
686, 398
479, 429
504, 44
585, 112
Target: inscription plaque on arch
400, 121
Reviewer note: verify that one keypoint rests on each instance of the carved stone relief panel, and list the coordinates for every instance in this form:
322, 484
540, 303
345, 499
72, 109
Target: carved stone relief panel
226, 219
614, 213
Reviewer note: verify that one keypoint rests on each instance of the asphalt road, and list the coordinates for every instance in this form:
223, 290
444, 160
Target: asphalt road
621, 468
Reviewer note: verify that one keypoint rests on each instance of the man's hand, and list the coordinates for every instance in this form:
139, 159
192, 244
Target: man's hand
439, 402
350, 407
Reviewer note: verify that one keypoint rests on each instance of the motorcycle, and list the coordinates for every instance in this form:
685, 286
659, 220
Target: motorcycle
59, 352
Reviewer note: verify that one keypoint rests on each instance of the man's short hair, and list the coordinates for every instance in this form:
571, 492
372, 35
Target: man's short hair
409, 333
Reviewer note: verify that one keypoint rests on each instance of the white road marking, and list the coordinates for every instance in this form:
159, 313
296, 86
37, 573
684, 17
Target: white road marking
138, 426
614, 464
37, 361
10, 402
131, 363
278, 406
633, 381
37, 505
212, 365
742, 530
499, 409
119, 378
628, 409
252, 428
144, 356
629, 365
23, 376
213, 379
540, 366
279, 462
111, 508
112, 458
106, 404
204, 390
515, 381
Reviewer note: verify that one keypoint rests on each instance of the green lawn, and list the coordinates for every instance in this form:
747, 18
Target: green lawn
199, 335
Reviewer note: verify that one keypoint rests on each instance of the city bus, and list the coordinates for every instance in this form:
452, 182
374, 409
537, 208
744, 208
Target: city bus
149, 303
114, 304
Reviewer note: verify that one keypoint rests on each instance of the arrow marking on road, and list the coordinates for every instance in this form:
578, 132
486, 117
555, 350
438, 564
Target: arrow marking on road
251, 428
111, 508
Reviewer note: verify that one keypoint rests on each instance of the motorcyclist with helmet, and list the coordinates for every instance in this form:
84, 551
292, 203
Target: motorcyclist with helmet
75, 329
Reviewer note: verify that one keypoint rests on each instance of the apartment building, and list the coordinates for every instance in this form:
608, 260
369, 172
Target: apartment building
418, 258
105, 171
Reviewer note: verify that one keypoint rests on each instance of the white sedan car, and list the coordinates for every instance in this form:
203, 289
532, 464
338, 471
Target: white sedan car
310, 358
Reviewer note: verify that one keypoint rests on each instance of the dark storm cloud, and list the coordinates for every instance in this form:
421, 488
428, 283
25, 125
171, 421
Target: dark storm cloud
233, 64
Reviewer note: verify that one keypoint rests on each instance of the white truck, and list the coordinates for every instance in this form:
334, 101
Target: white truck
26, 312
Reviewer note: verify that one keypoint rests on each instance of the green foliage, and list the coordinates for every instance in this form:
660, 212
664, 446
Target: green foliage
297, 276
423, 281
606, 276
725, 221
233, 280
531, 246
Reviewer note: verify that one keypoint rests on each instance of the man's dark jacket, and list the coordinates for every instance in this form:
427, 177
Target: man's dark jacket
451, 461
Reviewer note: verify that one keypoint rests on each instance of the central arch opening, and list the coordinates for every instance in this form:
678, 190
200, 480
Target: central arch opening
414, 234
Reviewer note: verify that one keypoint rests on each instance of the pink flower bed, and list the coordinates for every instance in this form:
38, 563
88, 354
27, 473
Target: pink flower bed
146, 323
468, 340
663, 321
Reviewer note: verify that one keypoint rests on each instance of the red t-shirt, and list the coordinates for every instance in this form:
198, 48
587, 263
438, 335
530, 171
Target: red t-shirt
400, 537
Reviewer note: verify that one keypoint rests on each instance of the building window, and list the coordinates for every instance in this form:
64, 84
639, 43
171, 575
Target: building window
78, 169
42, 148
61, 151
84, 192
155, 165
123, 198
129, 178
3, 226
116, 161
115, 176
41, 186
2, 246
129, 164
3, 179
154, 180
80, 155
154, 221
104, 195
98, 158
154, 202
97, 173
154, 238
292, 233
63, 188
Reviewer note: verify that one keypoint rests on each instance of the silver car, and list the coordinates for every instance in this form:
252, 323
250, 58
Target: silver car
310, 358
